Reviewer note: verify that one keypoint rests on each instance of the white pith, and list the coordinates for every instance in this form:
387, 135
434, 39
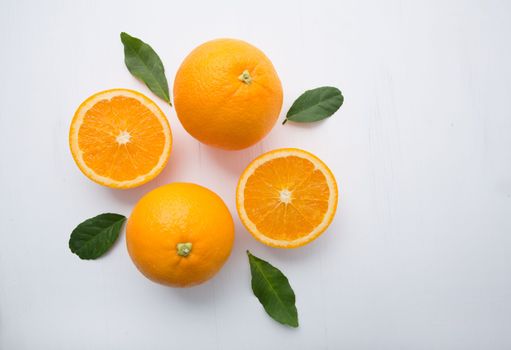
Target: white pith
123, 138
108, 95
318, 164
285, 196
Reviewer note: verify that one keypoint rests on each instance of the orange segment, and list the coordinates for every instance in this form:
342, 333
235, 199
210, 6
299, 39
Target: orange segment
120, 138
286, 198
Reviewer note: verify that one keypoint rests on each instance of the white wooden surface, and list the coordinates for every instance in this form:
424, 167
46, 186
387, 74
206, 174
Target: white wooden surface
418, 256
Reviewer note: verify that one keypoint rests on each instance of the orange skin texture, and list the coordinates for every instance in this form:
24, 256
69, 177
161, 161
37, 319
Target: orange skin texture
180, 213
219, 109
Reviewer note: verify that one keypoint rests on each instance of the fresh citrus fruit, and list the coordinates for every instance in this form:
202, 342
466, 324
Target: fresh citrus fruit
227, 94
180, 234
120, 138
286, 198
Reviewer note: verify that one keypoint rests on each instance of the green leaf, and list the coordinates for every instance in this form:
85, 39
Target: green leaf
93, 237
316, 104
145, 64
272, 289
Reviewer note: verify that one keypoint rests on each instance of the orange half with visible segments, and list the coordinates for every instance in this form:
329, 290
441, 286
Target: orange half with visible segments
120, 138
286, 198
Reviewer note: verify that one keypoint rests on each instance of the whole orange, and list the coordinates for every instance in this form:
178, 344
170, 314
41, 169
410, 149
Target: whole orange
227, 94
180, 234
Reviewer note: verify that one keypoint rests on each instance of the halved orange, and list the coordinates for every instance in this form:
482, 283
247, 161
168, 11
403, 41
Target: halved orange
286, 198
120, 138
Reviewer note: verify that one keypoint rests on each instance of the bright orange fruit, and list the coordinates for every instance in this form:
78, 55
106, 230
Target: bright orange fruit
120, 138
286, 198
227, 94
180, 234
